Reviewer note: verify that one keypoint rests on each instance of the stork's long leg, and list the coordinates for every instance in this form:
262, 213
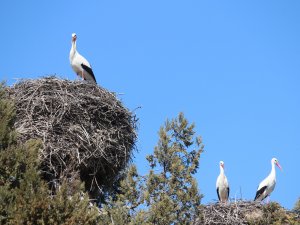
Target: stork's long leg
268, 199
82, 74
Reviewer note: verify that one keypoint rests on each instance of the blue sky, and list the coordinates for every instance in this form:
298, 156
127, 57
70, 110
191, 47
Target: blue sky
232, 67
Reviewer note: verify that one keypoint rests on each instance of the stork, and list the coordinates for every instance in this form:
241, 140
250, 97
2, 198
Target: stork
79, 64
266, 187
222, 185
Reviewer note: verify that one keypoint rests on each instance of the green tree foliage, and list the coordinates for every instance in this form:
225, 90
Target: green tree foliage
274, 214
122, 208
169, 193
7, 116
24, 196
172, 193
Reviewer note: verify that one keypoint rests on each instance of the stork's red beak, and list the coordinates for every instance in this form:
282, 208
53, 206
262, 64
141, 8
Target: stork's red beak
277, 164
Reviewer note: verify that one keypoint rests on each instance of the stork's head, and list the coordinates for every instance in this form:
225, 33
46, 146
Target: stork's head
222, 164
74, 37
276, 162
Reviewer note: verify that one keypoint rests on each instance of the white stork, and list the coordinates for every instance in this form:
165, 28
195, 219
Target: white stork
268, 184
79, 64
222, 185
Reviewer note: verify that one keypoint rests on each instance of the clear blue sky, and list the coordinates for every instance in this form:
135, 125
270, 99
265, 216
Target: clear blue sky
233, 68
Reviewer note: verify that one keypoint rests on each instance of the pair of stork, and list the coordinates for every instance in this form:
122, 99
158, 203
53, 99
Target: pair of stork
264, 189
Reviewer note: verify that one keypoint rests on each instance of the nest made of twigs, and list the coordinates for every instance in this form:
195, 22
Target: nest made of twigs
238, 213
85, 129
241, 212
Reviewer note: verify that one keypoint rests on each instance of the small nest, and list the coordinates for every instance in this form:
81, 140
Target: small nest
85, 130
238, 213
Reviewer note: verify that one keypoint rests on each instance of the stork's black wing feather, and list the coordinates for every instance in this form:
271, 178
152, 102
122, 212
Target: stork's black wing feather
228, 192
89, 70
218, 194
260, 192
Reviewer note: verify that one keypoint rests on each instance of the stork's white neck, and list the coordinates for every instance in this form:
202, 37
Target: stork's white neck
221, 170
73, 50
273, 170
74, 44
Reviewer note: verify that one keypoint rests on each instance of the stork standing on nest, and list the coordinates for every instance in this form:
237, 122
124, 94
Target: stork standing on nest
222, 185
79, 64
266, 187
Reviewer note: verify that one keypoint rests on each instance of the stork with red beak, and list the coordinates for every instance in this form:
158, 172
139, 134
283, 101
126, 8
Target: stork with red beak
222, 185
266, 187
79, 64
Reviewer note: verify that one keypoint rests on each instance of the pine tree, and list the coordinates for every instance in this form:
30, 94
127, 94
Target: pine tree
172, 193
169, 193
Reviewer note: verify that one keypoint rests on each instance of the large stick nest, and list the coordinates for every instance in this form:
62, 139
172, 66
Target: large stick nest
85, 129
245, 213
